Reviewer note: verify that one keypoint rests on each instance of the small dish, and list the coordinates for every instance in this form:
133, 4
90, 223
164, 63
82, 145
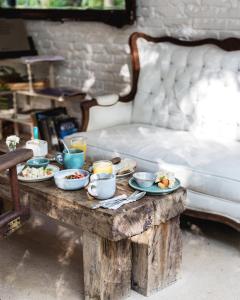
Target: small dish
71, 184
144, 179
39, 162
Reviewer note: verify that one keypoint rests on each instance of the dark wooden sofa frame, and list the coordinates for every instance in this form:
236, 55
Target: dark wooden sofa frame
229, 44
12, 220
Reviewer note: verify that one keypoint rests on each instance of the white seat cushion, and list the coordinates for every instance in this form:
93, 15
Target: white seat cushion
215, 205
203, 166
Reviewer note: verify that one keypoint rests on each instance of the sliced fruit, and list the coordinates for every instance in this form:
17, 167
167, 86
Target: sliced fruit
165, 182
161, 185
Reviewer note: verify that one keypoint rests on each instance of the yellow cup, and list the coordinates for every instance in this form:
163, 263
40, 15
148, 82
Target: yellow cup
102, 167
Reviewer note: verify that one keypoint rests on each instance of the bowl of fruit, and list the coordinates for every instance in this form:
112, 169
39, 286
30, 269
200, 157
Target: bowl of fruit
71, 179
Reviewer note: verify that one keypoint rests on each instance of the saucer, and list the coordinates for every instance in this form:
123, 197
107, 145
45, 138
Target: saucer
154, 189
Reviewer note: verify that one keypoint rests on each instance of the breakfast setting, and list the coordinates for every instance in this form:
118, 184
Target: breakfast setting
72, 171
119, 149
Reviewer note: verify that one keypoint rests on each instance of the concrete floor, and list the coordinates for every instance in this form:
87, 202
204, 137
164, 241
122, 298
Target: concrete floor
44, 261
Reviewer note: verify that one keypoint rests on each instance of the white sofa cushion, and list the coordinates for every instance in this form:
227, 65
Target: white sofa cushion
189, 88
203, 166
215, 205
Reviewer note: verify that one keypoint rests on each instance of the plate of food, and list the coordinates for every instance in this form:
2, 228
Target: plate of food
124, 168
162, 182
31, 174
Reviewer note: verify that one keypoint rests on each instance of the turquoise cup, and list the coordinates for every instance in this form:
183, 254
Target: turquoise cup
74, 159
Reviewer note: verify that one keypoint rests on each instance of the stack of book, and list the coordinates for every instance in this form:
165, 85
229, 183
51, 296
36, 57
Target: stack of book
55, 124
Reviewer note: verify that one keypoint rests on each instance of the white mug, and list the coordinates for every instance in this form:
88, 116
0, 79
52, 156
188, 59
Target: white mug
102, 186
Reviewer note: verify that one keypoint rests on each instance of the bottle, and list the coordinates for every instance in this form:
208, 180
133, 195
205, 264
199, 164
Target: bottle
35, 133
39, 147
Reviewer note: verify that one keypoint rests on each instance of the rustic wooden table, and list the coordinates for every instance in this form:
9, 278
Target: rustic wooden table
139, 245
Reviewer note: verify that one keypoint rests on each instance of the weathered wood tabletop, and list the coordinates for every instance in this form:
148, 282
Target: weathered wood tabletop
138, 244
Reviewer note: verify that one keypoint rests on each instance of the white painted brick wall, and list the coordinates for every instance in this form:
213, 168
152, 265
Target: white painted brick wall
96, 55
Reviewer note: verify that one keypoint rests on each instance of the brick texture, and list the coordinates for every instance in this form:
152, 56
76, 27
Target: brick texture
96, 55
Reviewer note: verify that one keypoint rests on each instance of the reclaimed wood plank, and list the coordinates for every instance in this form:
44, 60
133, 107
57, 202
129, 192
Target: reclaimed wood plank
107, 268
157, 256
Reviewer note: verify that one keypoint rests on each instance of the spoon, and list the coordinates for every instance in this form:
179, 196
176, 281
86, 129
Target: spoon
65, 146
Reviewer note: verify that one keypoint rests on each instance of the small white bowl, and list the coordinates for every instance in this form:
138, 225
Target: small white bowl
144, 179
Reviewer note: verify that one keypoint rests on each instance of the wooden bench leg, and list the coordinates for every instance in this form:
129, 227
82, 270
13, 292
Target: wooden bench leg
157, 255
107, 268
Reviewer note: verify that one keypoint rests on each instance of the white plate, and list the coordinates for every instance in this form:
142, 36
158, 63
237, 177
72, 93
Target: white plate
125, 174
43, 178
126, 162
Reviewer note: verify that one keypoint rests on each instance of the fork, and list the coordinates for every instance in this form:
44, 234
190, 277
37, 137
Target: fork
116, 204
137, 197
109, 202
117, 201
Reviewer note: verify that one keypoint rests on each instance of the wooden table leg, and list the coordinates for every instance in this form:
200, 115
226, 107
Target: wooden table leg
157, 255
107, 268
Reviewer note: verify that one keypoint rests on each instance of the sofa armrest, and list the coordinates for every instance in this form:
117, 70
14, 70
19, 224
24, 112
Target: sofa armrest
106, 111
107, 100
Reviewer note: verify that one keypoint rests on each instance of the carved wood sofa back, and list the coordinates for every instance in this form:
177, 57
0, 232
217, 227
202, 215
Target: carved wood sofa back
191, 88
171, 76
230, 44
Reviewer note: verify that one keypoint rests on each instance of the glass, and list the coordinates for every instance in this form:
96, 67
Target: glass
39, 147
102, 167
79, 143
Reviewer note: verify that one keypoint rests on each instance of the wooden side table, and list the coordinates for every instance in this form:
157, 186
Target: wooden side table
139, 245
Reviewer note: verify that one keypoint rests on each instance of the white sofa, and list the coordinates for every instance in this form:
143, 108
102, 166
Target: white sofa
182, 114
